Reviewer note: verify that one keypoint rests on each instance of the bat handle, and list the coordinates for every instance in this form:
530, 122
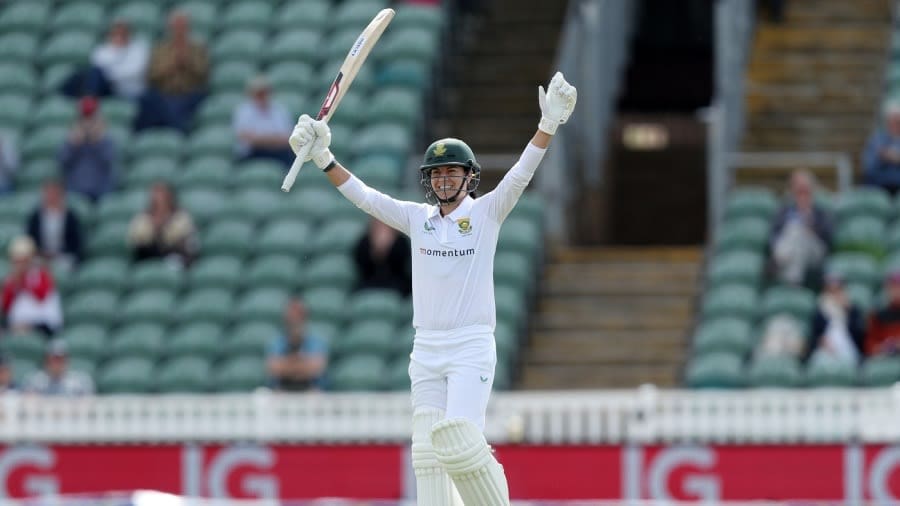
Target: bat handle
295, 168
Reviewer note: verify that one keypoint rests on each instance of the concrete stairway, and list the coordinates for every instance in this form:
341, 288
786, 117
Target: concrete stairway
612, 317
814, 82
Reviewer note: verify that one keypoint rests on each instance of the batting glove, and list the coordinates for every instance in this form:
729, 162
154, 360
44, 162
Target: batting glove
556, 103
308, 131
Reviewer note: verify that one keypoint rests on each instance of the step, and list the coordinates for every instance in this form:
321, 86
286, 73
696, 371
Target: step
802, 70
820, 38
626, 305
590, 376
773, 120
680, 286
857, 11
607, 319
653, 254
609, 346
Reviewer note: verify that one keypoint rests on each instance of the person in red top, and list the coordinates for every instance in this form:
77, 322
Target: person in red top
30, 300
883, 336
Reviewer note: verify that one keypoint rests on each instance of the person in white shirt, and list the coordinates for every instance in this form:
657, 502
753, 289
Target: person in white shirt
453, 243
118, 66
262, 126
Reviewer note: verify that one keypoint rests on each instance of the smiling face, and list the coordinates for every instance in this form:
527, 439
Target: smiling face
448, 181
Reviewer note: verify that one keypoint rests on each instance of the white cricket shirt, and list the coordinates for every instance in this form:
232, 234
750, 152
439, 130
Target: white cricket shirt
453, 255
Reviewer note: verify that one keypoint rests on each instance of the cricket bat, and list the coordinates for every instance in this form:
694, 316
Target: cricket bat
355, 58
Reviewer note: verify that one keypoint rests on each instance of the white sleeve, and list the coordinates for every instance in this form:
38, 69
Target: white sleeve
393, 212
503, 198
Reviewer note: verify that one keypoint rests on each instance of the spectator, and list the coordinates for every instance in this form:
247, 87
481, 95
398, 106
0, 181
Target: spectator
179, 68
297, 358
163, 230
7, 381
782, 336
30, 299
9, 161
382, 259
262, 126
801, 234
118, 67
881, 158
883, 336
838, 327
57, 378
56, 229
89, 157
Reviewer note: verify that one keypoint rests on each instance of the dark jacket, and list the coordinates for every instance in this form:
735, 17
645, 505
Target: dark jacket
73, 241
393, 271
856, 326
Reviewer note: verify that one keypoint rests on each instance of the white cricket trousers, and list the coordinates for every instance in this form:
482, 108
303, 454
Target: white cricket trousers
454, 371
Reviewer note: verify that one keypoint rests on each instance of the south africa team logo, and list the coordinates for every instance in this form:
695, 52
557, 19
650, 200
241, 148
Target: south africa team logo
429, 228
465, 226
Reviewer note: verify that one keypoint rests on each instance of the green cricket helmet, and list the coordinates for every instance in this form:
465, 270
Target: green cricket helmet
452, 152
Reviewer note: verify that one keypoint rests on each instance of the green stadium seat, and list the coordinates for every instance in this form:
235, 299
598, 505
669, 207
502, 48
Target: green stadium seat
184, 375
523, 236
20, 47
506, 338
738, 301
338, 238
251, 338
240, 374
24, 346
355, 14
156, 141
82, 364
15, 208
865, 234
744, 233
117, 111
14, 111
510, 304
151, 305
380, 172
288, 236
530, 206
232, 76
143, 340
398, 375
156, 274
22, 369
205, 204
367, 336
723, 335
384, 138
24, 17
68, 47
147, 171
826, 371
228, 237
363, 81
54, 110
264, 305
55, 74
91, 306
205, 173
261, 174
431, 17
296, 103
375, 304
296, 45
102, 273
291, 76
8, 232
861, 295
109, 240
751, 202
144, 16
127, 375
503, 376
308, 14
514, 270
247, 14
358, 372
893, 237
863, 201
273, 271
82, 207
854, 267
17, 78
880, 371
395, 104
736, 267
218, 109
215, 272
782, 372
213, 305
87, 341
718, 370
88, 16
403, 342
44, 143
258, 204
796, 301
407, 73
122, 206
239, 44
211, 140
204, 15
414, 43
325, 302
33, 174
201, 339
332, 270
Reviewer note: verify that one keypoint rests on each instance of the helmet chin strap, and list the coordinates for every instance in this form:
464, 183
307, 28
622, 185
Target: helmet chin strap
448, 201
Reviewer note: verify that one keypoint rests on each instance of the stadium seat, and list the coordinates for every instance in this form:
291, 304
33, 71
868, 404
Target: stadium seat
242, 44
744, 234
22, 369
85, 365
126, 375
880, 371
232, 76
54, 75
117, 111
337, 271
264, 304
384, 138
854, 267
222, 271
161, 274
18, 46
204, 14
295, 46
210, 173
251, 338
151, 305
398, 375
54, 110
218, 109
205, 305
379, 171
109, 273
14, 111
865, 234
410, 15
24, 346
285, 236
738, 301
155, 141
514, 270
309, 15
863, 201
229, 237
144, 16
212, 140
374, 336
339, 237
355, 14
751, 202
240, 374
363, 81
17, 78
736, 267
408, 73
261, 174
143, 340
718, 370
375, 304
16, 207
28, 17
205, 204
861, 295
291, 76
723, 335
33, 174
507, 340
184, 375
273, 271
403, 341
258, 204
122, 205
395, 104
775, 372
202, 339
72, 47
147, 171
414, 43
247, 14
44, 142
510, 304
358, 372
324, 302
92, 306
796, 301
827, 371
87, 341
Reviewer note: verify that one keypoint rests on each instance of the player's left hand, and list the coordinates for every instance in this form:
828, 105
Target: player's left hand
557, 103
316, 133
302, 134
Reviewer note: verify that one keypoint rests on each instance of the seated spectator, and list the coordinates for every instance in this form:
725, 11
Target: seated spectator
838, 327
118, 67
383, 259
801, 234
7, 381
9, 161
163, 230
56, 229
783, 337
881, 158
883, 335
262, 126
179, 69
57, 378
89, 157
296, 359
30, 299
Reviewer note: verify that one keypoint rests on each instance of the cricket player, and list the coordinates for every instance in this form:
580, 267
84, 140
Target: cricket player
454, 238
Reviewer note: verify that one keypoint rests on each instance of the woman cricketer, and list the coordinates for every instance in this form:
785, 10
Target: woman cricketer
454, 238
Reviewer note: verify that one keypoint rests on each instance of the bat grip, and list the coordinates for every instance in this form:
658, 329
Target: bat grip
295, 168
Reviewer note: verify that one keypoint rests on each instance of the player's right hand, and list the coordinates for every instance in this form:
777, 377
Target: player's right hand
302, 135
316, 132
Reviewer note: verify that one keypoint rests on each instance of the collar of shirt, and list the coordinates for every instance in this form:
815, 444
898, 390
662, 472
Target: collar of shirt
463, 209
